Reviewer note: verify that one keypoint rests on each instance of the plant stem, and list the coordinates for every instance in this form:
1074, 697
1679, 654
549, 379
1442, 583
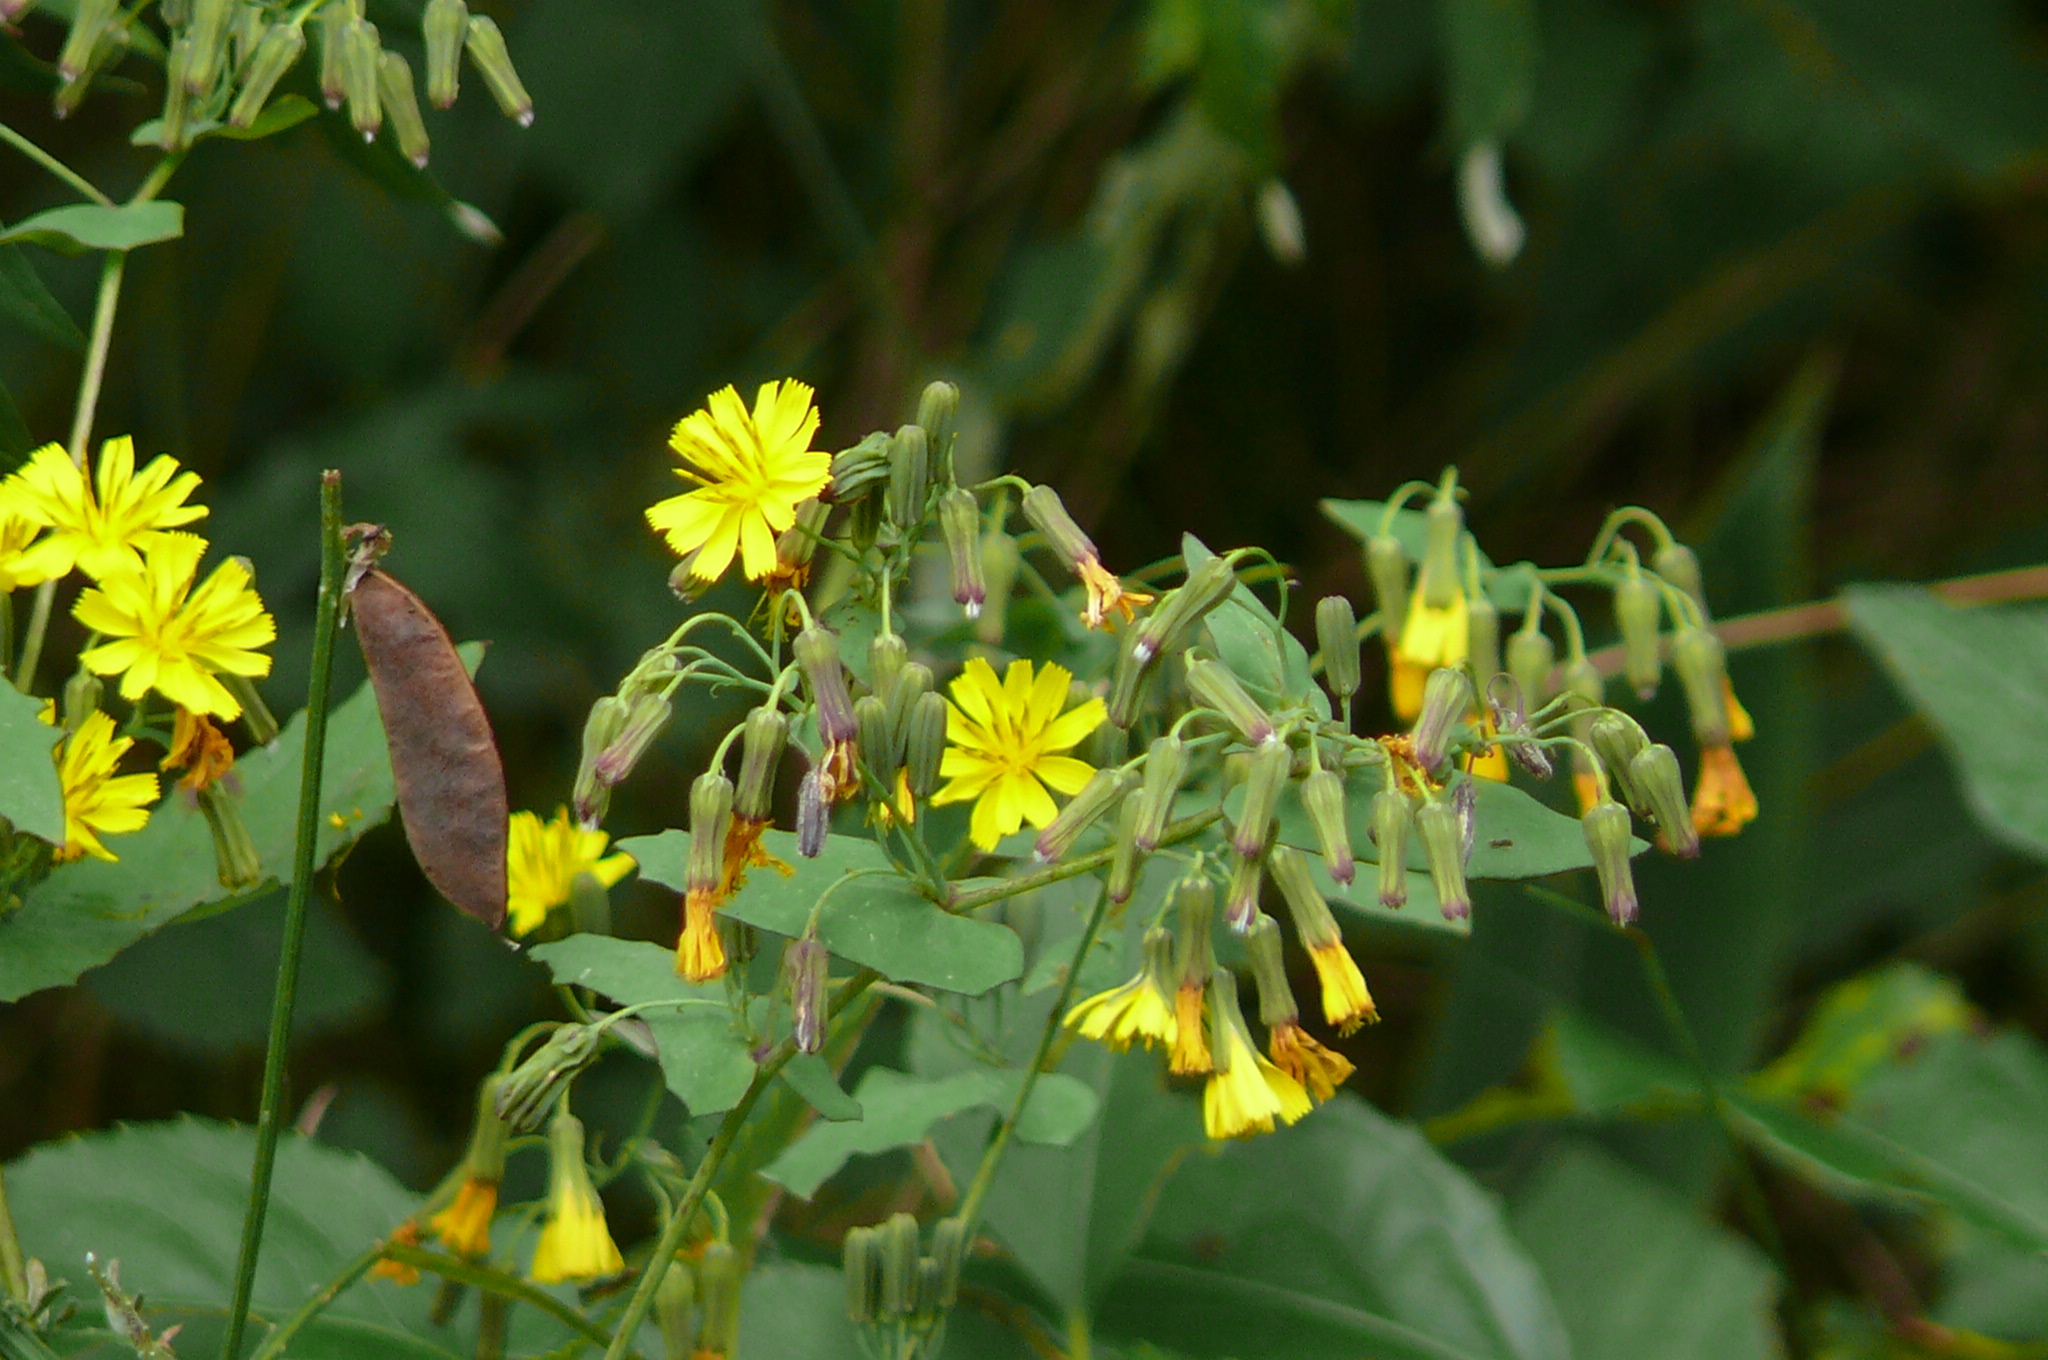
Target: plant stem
494, 1283
304, 853
13, 1271
1081, 864
282, 1336
53, 165
992, 1156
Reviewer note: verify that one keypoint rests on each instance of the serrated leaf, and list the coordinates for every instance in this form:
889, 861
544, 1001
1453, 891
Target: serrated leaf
31, 796
24, 298
877, 920
80, 227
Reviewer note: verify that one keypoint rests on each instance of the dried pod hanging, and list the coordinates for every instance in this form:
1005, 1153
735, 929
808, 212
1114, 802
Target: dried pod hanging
444, 761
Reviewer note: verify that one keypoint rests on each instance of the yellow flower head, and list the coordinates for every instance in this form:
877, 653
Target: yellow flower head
103, 526
98, 802
542, 860
167, 634
1346, 1002
464, 1227
1722, 802
752, 469
1006, 739
1106, 592
1301, 1056
1245, 1093
574, 1242
1188, 1053
700, 954
1141, 1010
17, 533
1432, 636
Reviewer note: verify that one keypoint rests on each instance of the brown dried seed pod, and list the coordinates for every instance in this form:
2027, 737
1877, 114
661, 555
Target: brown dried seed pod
451, 784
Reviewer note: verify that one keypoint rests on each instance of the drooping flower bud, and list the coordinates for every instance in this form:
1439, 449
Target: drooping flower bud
1583, 681
910, 477
1194, 902
1337, 639
1616, 738
1172, 624
1443, 844
1392, 815
235, 862
1444, 523
675, 1302
334, 20
1322, 797
761, 742
1346, 1002
1701, 662
1654, 775
1386, 564
1166, 764
394, 86
960, 527
1124, 866
531, 1089
360, 54
1102, 791
607, 718
817, 656
1446, 698
888, 654
924, 743
89, 23
114, 42
1048, 514
719, 1278
805, 965
1215, 687
1241, 893
1607, 836
700, 954
860, 471
1482, 632
878, 744
813, 814
1269, 971
279, 50
1638, 610
82, 694
177, 99
444, 24
1531, 655
1680, 566
1269, 766
487, 49
208, 36
647, 713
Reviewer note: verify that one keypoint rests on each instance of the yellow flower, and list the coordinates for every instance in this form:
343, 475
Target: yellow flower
171, 636
1245, 1093
17, 569
700, 954
464, 1227
1741, 727
1302, 1056
1432, 636
103, 526
542, 860
399, 1272
1722, 802
1189, 1053
98, 802
574, 1242
1346, 1002
1139, 1011
751, 469
1006, 738
199, 749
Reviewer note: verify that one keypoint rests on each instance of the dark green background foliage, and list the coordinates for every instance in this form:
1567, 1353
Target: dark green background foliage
1785, 282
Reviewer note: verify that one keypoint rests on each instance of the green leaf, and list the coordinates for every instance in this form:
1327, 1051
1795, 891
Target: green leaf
79, 227
1975, 674
1258, 651
810, 1076
1343, 1235
704, 1056
90, 910
31, 796
283, 113
878, 920
899, 1109
1637, 1272
24, 298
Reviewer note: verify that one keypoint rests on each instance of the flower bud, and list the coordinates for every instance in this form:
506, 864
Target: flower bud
1607, 835
1048, 514
1322, 797
81, 699
938, 411
1386, 563
113, 45
1127, 682
494, 63
888, 654
1654, 775
1337, 638
1680, 566
606, 720
1166, 764
1443, 844
485, 1158
1297, 884
1531, 655
817, 656
1616, 738
861, 1263
1701, 663
761, 743
878, 744
235, 861
444, 24
960, 527
394, 86
719, 1278
1444, 521
1215, 687
674, 1299
1124, 865
279, 50
1638, 611
1269, 971
177, 99
1269, 766
1392, 815
1446, 698
897, 1240
949, 1238
208, 36
805, 968
710, 820
859, 471
1482, 637
360, 55
912, 682
647, 714
1172, 623
334, 20
909, 477
1102, 790
1000, 562
1241, 893
531, 1089
924, 743
245, 31
813, 814
89, 23
796, 545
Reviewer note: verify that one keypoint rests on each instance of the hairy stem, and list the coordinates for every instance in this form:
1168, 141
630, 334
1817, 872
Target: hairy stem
271, 1112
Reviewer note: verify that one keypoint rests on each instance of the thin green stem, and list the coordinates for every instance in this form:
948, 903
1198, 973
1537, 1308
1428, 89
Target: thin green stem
992, 1156
13, 1269
53, 165
283, 1334
490, 1282
304, 860
1175, 833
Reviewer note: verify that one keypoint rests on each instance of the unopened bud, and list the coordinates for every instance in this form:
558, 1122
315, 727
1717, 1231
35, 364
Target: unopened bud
1172, 623
960, 527
1241, 893
1446, 698
334, 20
1322, 797
1531, 656
1096, 797
1386, 563
1482, 637
280, 49
805, 967
1166, 764
235, 861
1127, 682
485, 1159
607, 719
796, 545
910, 477
1655, 777
949, 1243
1128, 859
898, 1241
938, 411
813, 814
1680, 566
1702, 666
924, 743
1215, 687
81, 699
710, 820
878, 745
1638, 610
1616, 739
1444, 521
817, 656
1194, 905
674, 1300
1443, 845
888, 654
1313, 923
89, 23
360, 61
1269, 971
1337, 638
531, 1089
208, 36
719, 1278
646, 715
861, 470
911, 683
177, 99
394, 86
761, 743
1606, 825
861, 1264
487, 49
1269, 766
443, 25
1583, 681
1048, 514
113, 45
1392, 815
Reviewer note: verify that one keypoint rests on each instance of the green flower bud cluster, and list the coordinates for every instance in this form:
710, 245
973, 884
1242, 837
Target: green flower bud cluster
897, 1293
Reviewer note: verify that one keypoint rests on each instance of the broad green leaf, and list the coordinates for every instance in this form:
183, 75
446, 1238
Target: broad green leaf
1860, 1027
24, 299
88, 911
810, 1076
1976, 674
1636, 1272
1342, 1236
31, 795
283, 113
876, 920
1991, 1287
704, 1056
79, 227
898, 1109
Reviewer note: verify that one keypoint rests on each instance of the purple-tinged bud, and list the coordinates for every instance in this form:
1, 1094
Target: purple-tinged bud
924, 743
805, 967
813, 814
1446, 699
1616, 739
276, 53
1337, 639
89, 23
1654, 775
1312, 920
817, 656
710, 820
444, 24
1465, 804
1128, 859
1531, 655
1638, 613
1680, 566
334, 19
960, 527
487, 49
1269, 971
1482, 637
1702, 666
1172, 622
1444, 523
1194, 905
761, 742
1216, 688
1322, 797
1607, 831
1096, 797
394, 87
1443, 845
646, 715
1166, 764
1241, 893
1269, 766
878, 744
607, 719
938, 411
1386, 564
910, 479
1392, 815
1048, 514
360, 60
